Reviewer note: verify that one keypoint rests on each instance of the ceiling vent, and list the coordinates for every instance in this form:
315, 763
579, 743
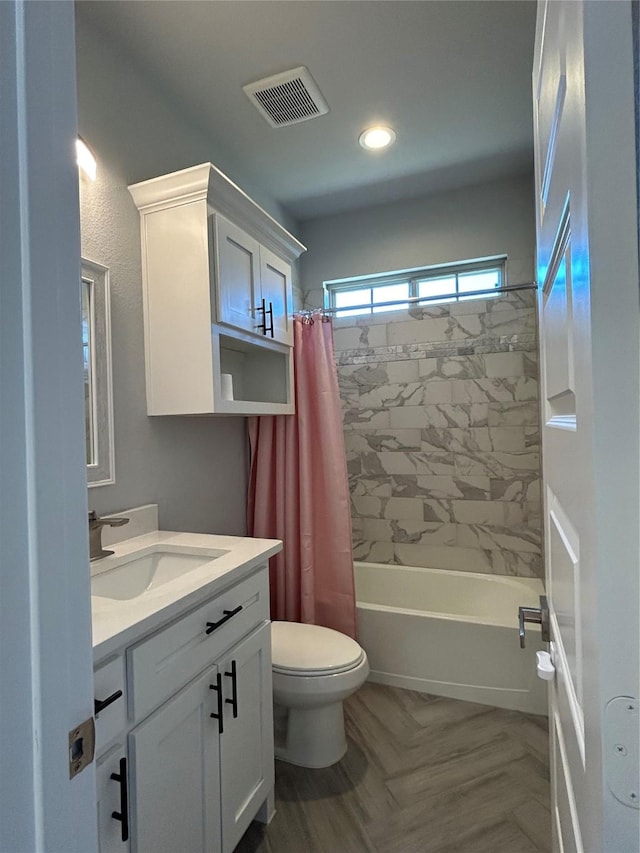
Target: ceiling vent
287, 98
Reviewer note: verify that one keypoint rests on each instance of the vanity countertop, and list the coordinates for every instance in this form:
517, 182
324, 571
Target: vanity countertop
117, 623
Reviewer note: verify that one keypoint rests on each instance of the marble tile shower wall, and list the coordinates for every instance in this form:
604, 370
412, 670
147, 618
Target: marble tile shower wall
441, 426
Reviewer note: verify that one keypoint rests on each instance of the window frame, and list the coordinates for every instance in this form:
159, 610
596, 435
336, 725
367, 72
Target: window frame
412, 277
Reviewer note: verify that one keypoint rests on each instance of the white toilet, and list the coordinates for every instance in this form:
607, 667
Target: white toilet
314, 670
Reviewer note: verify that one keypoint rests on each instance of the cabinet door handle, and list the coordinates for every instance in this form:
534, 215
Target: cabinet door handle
228, 614
270, 313
101, 704
234, 689
219, 716
263, 308
123, 814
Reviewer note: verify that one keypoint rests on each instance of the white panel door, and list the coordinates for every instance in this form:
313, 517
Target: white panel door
45, 611
246, 744
277, 292
588, 304
175, 788
237, 275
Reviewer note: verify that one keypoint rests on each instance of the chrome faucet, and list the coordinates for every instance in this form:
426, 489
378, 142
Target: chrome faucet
95, 533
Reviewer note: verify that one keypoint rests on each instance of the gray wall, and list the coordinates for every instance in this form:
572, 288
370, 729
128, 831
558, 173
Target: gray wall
476, 222
194, 468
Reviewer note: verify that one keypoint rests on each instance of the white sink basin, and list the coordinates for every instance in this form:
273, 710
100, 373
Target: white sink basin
145, 572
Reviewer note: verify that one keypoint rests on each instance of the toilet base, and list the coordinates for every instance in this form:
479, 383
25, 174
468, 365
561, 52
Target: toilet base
311, 737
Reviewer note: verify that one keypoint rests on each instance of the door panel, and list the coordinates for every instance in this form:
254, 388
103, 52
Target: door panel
549, 97
237, 275
567, 824
275, 276
589, 333
246, 747
564, 587
557, 321
175, 775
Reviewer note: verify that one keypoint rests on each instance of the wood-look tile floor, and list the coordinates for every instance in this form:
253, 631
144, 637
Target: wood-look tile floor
422, 774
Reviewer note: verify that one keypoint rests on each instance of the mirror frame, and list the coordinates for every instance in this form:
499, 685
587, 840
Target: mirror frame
102, 471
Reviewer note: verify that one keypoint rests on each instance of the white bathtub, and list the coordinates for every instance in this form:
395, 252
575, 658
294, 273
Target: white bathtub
450, 634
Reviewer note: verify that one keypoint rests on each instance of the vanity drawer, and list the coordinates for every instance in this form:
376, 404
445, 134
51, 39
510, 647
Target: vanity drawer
160, 665
110, 717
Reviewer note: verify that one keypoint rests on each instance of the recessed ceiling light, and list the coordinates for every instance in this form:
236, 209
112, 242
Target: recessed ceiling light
377, 137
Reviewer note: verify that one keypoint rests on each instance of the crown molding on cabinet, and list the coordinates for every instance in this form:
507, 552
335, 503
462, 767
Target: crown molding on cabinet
208, 182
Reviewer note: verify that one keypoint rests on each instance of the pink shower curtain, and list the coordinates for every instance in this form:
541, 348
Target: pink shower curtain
299, 492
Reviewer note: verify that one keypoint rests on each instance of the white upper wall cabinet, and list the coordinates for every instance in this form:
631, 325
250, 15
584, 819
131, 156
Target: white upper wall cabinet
217, 297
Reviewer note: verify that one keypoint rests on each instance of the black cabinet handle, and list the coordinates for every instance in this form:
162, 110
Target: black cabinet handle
266, 330
263, 325
219, 716
234, 689
228, 614
270, 313
101, 704
123, 814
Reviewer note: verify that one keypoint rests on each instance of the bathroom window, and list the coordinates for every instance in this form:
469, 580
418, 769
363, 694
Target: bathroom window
386, 292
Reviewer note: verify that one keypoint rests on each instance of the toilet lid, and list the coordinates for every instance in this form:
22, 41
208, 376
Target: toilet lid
312, 649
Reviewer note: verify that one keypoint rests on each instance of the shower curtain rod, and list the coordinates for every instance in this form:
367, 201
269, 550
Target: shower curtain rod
531, 285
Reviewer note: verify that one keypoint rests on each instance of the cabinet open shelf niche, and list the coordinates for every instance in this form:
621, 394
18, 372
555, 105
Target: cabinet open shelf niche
262, 378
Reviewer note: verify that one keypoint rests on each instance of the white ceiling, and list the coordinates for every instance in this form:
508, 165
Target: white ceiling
453, 77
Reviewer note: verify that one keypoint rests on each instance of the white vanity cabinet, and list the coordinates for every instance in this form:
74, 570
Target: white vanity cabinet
198, 733
218, 297
204, 760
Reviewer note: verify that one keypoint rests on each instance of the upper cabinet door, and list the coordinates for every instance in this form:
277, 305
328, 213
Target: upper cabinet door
237, 275
277, 292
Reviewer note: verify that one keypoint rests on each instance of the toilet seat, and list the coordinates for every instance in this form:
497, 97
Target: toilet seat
312, 650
